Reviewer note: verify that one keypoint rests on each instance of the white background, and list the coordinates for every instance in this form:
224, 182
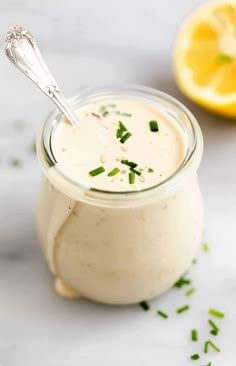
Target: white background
99, 41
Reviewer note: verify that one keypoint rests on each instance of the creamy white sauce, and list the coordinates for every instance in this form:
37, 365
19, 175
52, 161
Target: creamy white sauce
119, 255
79, 150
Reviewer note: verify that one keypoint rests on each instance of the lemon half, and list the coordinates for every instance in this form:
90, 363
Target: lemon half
205, 57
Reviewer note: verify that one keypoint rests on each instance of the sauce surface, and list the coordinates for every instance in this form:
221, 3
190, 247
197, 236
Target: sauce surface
97, 143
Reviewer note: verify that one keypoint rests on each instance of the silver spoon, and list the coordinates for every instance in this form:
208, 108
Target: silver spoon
23, 52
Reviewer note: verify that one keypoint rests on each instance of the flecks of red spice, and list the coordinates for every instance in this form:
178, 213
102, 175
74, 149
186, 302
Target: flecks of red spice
95, 115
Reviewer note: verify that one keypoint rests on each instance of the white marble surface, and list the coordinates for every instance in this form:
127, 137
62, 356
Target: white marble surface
105, 41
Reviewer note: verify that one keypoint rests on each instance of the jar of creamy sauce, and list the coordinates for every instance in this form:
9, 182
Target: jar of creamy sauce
120, 213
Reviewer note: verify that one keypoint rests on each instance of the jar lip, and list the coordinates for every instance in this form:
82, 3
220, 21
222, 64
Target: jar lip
124, 198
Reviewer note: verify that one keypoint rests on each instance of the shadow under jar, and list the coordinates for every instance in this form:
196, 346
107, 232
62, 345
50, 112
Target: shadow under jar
121, 247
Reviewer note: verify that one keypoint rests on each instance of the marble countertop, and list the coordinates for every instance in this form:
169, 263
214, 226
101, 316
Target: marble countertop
105, 42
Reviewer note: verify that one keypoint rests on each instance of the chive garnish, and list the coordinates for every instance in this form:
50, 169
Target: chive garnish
16, 163
119, 133
135, 171
123, 114
113, 172
33, 147
182, 282
125, 137
195, 357
126, 114
131, 178
215, 329
224, 58
122, 126
210, 343
102, 109
162, 314
194, 261
144, 305
209, 364
182, 309
111, 105
190, 292
97, 171
131, 164
19, 124
194, 335
105, 113
150, 170
153, 126
105, 109
205, 247
120, 130
216, 313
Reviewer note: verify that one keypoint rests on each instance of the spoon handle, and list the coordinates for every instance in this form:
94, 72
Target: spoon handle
23, 52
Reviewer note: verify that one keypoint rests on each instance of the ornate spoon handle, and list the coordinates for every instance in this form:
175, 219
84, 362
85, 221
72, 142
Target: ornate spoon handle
23, 52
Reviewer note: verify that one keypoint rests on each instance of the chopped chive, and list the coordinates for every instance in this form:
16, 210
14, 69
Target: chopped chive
182, 282
150, 170
16, 163
190, 292
217, 349
210, 343
153, 126
19, 124
224, 58
195, 357
120, 130
105, 114
162, 314
131, 164
215, 329
209, 364
194, 335
131, 178
33, 147
214, 332
97, 171
194, 261
126, 114
216, 313
122, 126
205, 247
182, 309
102, 109
123, 114
135, 171
119, 133
111, 105
113, 172
125, 137
144, 305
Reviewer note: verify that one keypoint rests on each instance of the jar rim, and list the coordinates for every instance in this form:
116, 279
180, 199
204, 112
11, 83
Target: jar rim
109, 198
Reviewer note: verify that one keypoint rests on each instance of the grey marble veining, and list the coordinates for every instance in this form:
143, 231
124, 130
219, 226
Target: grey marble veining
105, 42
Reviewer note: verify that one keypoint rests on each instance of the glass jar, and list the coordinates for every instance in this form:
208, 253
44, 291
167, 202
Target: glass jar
121, 247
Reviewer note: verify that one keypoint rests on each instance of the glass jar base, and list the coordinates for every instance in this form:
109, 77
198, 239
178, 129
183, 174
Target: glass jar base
65, 290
